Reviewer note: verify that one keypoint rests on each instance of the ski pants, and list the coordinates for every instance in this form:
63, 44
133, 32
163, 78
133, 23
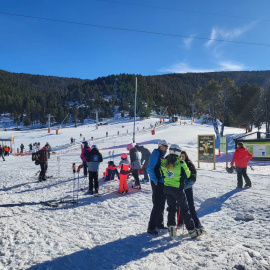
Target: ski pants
135, 174
158, 199
93, 176
43, 170
85, 167
242, 172
123, 182
145, 174
190, 200
176, 197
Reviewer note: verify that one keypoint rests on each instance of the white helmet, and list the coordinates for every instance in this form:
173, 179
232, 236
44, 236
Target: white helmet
175, 149
162, 142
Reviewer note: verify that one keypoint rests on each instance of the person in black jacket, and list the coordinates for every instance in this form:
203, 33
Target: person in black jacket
188, 183
2, 153
43, 161
93, 159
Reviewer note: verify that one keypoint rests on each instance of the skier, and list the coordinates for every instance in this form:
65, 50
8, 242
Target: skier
85, 149
124, 172
43, 159
173, 169
135, 164
30, 147
157, 184
188, 183
2, 152
22, 147
240, 158
93, 159
144, 160
111, 171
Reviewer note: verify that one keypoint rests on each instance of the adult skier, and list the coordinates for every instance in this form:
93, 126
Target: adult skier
93, 159
145, 155
43, 159
135, 164
157, 184
85, 149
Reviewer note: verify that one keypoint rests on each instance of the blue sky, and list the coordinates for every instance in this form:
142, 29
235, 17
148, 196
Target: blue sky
183, 44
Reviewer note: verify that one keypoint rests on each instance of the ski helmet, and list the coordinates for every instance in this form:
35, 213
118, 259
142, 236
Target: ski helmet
124, 156
175, 149
94, 146
162, 142
230, 170
111, 163
85, 143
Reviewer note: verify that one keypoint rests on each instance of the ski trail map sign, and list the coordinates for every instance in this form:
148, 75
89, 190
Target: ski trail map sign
206, 149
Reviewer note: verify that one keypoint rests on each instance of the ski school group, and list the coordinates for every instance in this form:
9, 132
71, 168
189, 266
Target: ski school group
171, 177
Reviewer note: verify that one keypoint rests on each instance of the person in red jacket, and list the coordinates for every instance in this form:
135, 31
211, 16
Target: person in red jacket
241, 158
124, 172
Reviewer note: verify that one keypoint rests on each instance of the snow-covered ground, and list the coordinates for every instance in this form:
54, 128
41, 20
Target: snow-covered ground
109, 232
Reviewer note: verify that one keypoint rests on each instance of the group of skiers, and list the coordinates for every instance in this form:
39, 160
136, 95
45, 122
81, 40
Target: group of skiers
171, 178
4, 151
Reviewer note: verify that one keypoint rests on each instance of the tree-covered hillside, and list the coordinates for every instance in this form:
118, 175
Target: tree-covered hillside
30, 98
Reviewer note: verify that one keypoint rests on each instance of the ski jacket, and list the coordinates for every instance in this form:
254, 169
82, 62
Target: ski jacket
173, 177
42, 155
93, 160
84, 154
189, 182
145, 156
241, 157
111, 171
134, 159
124, 167
153, 167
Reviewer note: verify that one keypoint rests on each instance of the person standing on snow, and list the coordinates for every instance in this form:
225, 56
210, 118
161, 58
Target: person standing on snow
2, 153
144, 160
22, 147
157, 184
241, 157
124, 172
93, 159
43, 159
188, 183
135, 164
84, 154
173, 169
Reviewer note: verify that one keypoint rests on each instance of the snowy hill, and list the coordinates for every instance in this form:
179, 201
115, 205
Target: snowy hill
109, 232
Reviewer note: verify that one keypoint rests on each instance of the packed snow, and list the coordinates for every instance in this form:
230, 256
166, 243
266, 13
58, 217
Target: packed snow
109, 232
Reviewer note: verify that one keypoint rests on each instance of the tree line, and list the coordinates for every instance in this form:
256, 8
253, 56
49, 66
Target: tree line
235, 98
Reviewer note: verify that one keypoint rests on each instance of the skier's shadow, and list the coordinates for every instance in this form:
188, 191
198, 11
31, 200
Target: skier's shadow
110, 255
212, 205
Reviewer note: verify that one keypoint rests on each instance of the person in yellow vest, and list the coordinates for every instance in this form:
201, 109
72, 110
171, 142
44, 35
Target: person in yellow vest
174, 170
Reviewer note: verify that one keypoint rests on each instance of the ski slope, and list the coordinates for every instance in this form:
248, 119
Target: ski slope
109, 232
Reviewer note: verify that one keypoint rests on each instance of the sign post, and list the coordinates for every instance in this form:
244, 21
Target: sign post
206, 149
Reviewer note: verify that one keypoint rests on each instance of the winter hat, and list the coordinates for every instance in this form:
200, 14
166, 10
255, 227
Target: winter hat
130, 146
85, 143
111, 163
175, 149
137, 147
124, 156
162, 142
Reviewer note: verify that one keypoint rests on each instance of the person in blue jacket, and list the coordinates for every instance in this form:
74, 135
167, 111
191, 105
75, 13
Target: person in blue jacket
157, 184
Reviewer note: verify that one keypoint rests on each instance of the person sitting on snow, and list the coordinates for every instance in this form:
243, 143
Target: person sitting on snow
111, 171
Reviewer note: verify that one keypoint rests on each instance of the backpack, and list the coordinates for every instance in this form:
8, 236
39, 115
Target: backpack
36, 158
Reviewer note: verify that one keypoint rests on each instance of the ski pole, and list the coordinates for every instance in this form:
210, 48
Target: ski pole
74, 171
78, 186
179, 210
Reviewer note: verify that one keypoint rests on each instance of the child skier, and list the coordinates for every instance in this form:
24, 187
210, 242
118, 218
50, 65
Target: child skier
124, 172
111, 171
